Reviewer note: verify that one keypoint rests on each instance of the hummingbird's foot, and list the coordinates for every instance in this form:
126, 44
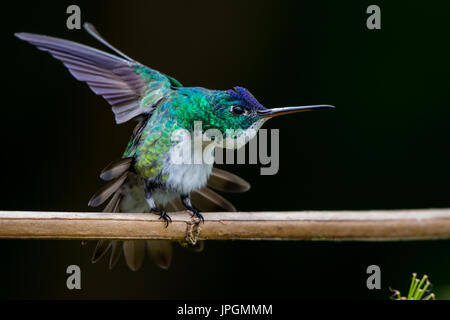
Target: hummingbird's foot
186, 200
196, 213
152, 205
163, 215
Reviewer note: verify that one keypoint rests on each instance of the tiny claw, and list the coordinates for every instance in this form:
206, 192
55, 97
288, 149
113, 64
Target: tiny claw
196, 213
166, 217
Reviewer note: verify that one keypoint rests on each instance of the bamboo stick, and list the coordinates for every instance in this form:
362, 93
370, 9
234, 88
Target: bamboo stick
417, 224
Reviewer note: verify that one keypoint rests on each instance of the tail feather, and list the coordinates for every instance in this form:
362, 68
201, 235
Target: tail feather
116, 169
134, 252
123, 187
104, 193
225, 181
113, 204
116, 252
161, 252
100, 250
207, 200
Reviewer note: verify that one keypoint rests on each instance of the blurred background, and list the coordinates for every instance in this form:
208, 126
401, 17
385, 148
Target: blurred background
385, 147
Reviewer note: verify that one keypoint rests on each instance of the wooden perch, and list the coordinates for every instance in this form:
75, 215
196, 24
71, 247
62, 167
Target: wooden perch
306, 225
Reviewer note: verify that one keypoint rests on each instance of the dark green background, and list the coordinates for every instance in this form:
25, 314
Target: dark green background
386, 146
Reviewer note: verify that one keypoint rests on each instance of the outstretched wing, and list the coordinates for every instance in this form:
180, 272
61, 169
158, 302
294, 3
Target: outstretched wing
131, 88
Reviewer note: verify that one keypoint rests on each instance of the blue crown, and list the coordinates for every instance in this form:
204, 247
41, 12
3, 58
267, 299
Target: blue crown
245, 98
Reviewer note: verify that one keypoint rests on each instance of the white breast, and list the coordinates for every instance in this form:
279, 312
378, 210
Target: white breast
186, 177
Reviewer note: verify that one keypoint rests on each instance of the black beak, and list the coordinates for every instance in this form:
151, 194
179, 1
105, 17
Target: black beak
269, 113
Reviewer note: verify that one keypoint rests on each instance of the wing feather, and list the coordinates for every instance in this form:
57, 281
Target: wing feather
120, 80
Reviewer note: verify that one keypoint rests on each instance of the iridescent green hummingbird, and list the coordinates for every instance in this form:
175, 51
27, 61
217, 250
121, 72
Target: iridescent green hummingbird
146, 178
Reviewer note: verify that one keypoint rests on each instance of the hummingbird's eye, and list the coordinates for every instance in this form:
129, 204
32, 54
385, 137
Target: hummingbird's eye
238, 110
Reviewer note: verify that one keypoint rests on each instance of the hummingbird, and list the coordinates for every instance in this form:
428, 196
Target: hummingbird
146, 178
